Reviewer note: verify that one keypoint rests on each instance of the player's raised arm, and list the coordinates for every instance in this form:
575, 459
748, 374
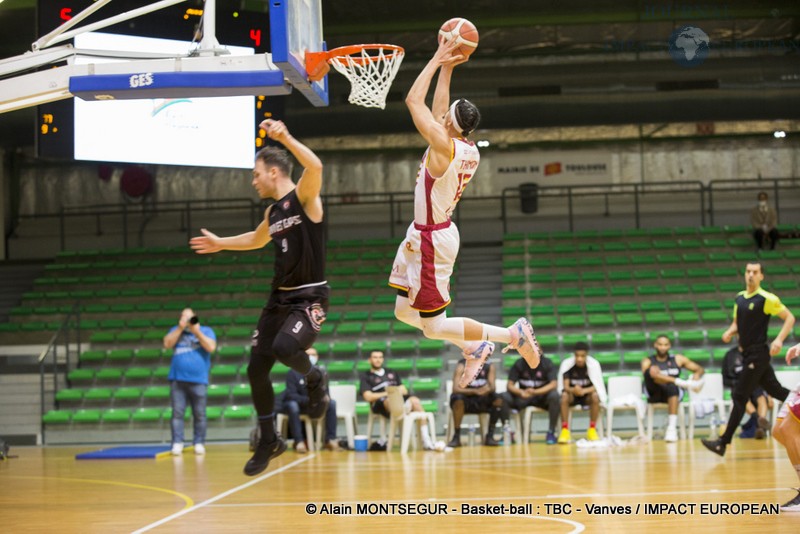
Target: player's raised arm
431, 126
310, 183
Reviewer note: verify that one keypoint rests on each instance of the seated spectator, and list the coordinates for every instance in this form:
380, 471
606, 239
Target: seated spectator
764, 220
294, 403
580, 381
759, 402
663, 383
535, 387
477, 397
374, 384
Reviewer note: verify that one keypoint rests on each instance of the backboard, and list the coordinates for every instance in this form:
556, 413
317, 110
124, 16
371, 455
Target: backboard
296, 28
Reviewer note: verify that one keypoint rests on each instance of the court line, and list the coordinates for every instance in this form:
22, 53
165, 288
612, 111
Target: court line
224, 494
189, 502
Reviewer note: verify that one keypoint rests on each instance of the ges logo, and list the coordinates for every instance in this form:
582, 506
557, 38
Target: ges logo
141, 80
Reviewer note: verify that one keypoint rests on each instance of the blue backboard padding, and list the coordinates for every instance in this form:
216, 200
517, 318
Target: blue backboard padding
167, 84
129, 452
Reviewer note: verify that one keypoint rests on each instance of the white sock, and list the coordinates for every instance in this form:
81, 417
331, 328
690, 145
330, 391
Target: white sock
672, 420
500, 334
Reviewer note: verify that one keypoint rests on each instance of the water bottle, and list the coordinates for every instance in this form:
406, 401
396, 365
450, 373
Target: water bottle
506, 434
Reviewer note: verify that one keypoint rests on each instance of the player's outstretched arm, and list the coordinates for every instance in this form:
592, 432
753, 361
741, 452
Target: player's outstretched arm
792, 353
209, 243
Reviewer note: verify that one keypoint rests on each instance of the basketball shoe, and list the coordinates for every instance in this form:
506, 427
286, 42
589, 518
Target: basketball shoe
761, 428
793, 505
671, 435
475, 360
565, 436
264, 453
591, 434
318, 399
551, 438
714, 445
523, 340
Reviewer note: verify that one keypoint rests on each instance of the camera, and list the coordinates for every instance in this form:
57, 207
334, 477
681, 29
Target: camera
194, 320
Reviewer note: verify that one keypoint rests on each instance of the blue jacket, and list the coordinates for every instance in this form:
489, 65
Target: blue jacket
190, 361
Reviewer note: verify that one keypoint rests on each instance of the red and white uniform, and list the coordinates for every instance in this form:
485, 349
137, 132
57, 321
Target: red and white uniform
791, 405
425, 258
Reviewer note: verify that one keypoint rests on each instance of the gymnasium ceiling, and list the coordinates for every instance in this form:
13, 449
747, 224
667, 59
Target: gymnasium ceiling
544, 62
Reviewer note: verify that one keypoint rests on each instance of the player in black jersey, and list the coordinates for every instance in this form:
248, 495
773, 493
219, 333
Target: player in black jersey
297, 305
751, 313
479, 396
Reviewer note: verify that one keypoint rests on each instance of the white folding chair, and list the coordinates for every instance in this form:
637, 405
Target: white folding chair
405, 422
373, 418
345, 397
314, 442
713, 391
527, 422
625, 393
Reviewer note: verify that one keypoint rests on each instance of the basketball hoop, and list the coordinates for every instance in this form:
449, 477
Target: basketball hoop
370, 68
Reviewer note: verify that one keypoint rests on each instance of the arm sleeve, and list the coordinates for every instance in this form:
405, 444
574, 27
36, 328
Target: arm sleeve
773, 305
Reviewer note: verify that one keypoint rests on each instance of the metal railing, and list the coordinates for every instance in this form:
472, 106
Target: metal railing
393, 211
60, 339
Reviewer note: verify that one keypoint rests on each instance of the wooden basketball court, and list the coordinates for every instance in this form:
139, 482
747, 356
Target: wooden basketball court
46, 489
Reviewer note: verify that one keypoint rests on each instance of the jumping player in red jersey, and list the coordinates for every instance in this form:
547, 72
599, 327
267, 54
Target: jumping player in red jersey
424, 262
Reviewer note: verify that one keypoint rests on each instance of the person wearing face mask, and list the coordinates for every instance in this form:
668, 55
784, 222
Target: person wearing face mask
764, 220
295, 402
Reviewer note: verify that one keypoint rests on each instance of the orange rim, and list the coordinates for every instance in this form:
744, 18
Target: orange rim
313, 59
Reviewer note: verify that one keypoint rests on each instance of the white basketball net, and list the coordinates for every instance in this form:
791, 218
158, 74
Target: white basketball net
370, 76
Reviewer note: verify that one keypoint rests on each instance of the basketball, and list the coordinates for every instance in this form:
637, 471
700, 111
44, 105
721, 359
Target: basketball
463, 31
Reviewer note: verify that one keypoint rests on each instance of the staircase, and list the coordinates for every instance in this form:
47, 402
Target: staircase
478, 284
16, 279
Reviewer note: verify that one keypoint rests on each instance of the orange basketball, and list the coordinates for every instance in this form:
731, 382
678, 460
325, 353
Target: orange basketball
463, 31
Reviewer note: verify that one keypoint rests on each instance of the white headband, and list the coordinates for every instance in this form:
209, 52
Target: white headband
454, 118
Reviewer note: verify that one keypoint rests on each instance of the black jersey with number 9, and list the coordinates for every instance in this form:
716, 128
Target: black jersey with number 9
299, 245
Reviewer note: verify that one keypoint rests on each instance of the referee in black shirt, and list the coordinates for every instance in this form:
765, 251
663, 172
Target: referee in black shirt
751, 313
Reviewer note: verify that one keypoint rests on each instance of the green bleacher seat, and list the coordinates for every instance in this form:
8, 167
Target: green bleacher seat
147, 355
238, 332
680, 305
369, 346
617, 260
116, 415
548, 342
629, 319
102, 337
362, 408
569, 340
137, 373
607, 358
156, 393
345, 348
223, 371
703, 287
426, 384
70, 395
546, 323
120, 355
718, 354
572, 321
377, 327
349, 329
146, 415
57, 417
429, 364
232, 352
625, 307
241, 391
97, 394
92, 356
380, 315
403, 346
108, 374
632, 357
340, 366
685, 317
633, 338
600, 320
623, 291
568, 292
218, 391
236, 412
80, 375
700, 356
86, 416
649, 289
129, 336
691, 337
717, 316
604, 339
430, 405
657, 318
362, 366
401, 364
429, 346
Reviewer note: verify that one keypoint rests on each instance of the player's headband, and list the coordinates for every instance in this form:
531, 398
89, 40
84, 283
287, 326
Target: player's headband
454, 116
